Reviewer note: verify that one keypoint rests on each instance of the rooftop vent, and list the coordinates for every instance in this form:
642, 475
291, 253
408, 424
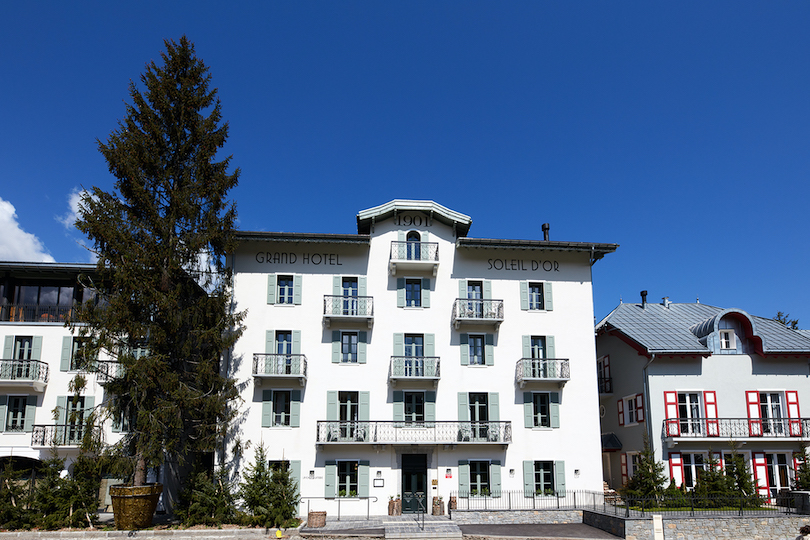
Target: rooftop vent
665, 301
644, 299
546, 227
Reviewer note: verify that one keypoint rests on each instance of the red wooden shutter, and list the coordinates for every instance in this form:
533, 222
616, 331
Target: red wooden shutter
671, 406
795, 422
624, 469
676, 468
620, 405
761, 473
606, 367
754, 420
710, 405
639, 407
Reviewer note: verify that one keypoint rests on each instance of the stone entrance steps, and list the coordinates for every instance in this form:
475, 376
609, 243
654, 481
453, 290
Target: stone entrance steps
410, 528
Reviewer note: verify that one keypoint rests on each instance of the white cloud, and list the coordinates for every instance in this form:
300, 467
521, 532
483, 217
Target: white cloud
15, 243
69, 219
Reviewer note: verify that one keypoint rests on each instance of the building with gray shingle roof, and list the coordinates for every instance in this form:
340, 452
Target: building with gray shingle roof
695, 379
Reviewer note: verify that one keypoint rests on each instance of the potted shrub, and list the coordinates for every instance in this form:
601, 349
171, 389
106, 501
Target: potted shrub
438, 506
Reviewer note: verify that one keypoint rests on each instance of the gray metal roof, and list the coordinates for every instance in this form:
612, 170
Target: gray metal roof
366, 218
678, 328
316, 238
596, 250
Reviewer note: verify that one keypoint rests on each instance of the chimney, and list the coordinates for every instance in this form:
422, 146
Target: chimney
665, 301
644, 299
546, 227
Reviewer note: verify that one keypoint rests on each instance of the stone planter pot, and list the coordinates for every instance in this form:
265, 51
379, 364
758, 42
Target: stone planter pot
438, 508
392, 507
452, 502
316, 519
397, 507
134, 506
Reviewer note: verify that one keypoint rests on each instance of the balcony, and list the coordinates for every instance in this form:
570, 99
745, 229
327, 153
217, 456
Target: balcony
388, 432
280, 366
487, 312
107, 369
414, 256
680, 429
348, 309
35, 313
24, 374
530, 370
61, 435
414, 368
605, 385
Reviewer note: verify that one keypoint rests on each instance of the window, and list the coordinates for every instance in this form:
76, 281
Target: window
349, 289
692, 467
544, 477
78, 353
347, 478
348, 349
770, 410
414, 248
16, 413
479, 478
541, 409
413, 293
536, 296
633, 459
75, 418
689, 412
285, 290
631, 409
414, 355
284, 346
348, 410
476, 348
728, 339
603, 375
414, 407
479, 415
475, 308
23, 347
281, 407
778, 473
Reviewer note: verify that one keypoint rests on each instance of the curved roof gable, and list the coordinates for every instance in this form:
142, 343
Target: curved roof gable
712, 324
365, 218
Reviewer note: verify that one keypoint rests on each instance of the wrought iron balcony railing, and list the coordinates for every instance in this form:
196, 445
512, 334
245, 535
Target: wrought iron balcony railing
414, 368
735, 428
348, 307
415, 251
61, 434
108, 369
35, 313
542, 369
28, 372
477, 311
280, 365
605, 385
436, 432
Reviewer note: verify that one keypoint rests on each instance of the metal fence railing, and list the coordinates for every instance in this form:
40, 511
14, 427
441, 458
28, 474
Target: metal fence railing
415, 251
426, 431
348, 306
279, 365
477, 310
535, 369
685, 504
736, 428
414, 367
23, 370
35, 313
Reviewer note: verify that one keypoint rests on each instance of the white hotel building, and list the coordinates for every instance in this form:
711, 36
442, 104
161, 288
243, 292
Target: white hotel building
410, 359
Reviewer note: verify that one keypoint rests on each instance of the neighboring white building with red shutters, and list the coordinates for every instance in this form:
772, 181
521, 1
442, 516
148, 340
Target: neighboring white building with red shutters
697, 379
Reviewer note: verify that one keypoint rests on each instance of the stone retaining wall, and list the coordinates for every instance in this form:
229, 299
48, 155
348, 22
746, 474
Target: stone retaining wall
486, 517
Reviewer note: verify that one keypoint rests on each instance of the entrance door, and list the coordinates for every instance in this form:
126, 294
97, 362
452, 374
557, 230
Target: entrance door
414, 483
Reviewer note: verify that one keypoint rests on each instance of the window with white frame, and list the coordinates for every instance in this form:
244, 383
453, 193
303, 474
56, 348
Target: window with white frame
476, 345
693, 465
15, 420
544, 477
772, 413
631, 409
285, 290
689, 408
542, 410
348, 347
347, 478
282, 407
728, 340
536, 296
633, 461
413, 293
479, 477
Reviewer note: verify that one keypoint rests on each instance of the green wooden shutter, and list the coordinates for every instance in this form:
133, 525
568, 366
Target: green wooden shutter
332, 406
462, 288
399, 344
295, 472
267, 408
489, 349
528, 410
36, 348
495, 478
362, 340
89, 404
464, 345
330, 479
362, 478
61, 405
524, 295
430, 406
528, 478
8, 348
425, 292
337, 286
3, 405
361, 286
363, 408
270, 341
463, 478
430, 345
548, 302
400, 292
67, 352
554, 409
30, 413
463, 407
271, 289
425, 255
493, 406
487, 289
399, 406
295, 408
527, 346
550, 349
297, 290
559, 476
296, 346
400, 236
335, 346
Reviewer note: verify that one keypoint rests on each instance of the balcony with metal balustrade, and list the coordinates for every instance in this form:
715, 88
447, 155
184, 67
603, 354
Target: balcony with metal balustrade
24, 374
414, 369
272, 366
535, 370
348, 309
447, 433
477, 312
414, 257
70, 435
675, 430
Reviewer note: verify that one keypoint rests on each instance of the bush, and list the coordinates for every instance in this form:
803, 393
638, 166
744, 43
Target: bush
14, 499
207, 501
256, 488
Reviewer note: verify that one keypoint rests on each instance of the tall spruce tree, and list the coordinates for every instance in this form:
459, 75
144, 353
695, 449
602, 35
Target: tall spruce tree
162, 285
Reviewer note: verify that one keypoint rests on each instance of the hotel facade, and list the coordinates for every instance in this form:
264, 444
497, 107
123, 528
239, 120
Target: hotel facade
410, 360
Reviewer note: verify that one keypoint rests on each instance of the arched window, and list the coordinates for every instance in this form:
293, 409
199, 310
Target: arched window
414, 246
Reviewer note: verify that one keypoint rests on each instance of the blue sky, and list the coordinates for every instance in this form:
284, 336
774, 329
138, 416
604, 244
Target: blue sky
680, 130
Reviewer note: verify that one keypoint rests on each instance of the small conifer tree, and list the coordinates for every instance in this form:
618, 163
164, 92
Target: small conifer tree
284, 497
256, 488
648, 479
14, 502
801, 481
207, 500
